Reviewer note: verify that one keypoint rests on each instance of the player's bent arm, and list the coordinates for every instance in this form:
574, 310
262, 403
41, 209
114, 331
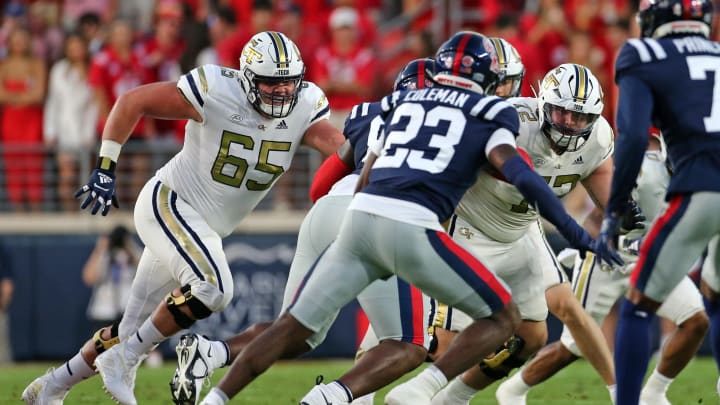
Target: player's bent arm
364, 179
323, 137
160, 100
536, 191
634, 113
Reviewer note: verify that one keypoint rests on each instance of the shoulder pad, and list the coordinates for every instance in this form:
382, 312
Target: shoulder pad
604, 136
313, 95
492, 108
637, 51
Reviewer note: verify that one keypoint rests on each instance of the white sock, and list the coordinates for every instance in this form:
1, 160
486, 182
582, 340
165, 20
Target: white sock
657, 383
612, 389
221, 353
431, 378
145, 339
516, 385
459, 392
339, 391
72, 372
216, 396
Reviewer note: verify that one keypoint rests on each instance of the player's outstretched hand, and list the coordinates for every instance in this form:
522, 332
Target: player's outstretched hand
605, 245
100, 192
632, 219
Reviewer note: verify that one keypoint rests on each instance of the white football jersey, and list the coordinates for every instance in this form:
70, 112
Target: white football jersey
498, 209
230, 160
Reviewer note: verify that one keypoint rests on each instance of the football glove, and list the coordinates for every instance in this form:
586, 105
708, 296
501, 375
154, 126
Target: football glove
632, 219
606, 243
100, 188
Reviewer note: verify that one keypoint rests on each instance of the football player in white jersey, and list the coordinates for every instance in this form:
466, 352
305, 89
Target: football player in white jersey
598, 288
568, 141
243, 129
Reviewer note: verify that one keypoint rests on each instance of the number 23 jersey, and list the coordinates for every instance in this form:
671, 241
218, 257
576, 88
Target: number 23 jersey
230, 160
498, 209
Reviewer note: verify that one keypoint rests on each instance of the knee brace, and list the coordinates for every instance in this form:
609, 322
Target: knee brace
197, 308
505, 359
102, 344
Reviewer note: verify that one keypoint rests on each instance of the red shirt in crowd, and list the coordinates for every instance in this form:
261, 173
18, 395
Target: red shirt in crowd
357, 66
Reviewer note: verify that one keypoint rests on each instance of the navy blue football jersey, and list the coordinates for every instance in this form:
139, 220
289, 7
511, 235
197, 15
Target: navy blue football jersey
434, 144
683, 75
364, 120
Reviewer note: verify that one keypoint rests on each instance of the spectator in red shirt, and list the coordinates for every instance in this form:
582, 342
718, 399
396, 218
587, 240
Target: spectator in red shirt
344, 69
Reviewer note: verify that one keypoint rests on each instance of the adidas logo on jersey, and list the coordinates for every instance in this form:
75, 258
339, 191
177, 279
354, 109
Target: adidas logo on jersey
281, 125
578, 161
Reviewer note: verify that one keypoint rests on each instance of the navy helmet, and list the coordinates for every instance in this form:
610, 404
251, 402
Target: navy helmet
468, 60
417, 74
659, 18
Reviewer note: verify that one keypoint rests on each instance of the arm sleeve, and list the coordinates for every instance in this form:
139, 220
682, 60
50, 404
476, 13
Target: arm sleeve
633, 122
539, 195
331, 170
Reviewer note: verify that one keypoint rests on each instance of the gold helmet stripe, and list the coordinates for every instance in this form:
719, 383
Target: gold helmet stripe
500, 50
281, 53
581, 84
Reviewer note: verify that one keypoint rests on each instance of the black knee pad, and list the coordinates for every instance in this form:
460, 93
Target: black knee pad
197, 308
102, 344
505, 359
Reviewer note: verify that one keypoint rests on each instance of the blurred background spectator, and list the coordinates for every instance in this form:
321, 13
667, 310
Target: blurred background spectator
70, 118
22, 92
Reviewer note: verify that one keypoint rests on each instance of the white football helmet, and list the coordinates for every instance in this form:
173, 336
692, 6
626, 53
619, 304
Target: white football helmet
510, 63
569, 103
271, 57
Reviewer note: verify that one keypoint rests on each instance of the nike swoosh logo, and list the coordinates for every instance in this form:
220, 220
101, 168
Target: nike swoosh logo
101, 188
325, 398
210, 351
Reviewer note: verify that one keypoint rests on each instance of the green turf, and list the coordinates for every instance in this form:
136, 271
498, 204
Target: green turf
287, 382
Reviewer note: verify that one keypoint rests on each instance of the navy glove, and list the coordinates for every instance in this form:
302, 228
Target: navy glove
632, 219
606, 244
576, 236
101, 188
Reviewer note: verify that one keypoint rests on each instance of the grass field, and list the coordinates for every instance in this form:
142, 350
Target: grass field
287, 382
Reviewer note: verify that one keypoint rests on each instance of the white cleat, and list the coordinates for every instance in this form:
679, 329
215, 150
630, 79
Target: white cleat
320, 395
653, 399
408, 394
195, 365
441, 398
44, 391
118, 368
505, 397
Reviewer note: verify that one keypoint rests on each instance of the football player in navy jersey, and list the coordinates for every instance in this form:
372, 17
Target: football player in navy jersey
670, 77
402, 333
434, 142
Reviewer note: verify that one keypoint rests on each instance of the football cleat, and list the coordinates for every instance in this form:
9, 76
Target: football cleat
44, 391
409, 392
195, 366
505, 396
321, 395
118, 367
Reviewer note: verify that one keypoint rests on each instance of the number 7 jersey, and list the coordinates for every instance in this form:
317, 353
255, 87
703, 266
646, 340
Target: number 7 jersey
230, 160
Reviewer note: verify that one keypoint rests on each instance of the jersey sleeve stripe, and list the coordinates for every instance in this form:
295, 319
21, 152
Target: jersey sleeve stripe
495, 109
385, 104
656, 48
193, 87
365, 109
203, 79
322, 113
475, 111
354, 112
641, 49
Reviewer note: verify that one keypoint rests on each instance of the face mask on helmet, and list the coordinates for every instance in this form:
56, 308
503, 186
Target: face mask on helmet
570, 102
659, 18
511, 65
415, 75
271, 73
468, 60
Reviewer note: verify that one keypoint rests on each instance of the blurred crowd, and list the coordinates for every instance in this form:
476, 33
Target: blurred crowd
64, 62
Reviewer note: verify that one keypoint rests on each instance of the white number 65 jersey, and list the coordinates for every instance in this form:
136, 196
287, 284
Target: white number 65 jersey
230, 160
